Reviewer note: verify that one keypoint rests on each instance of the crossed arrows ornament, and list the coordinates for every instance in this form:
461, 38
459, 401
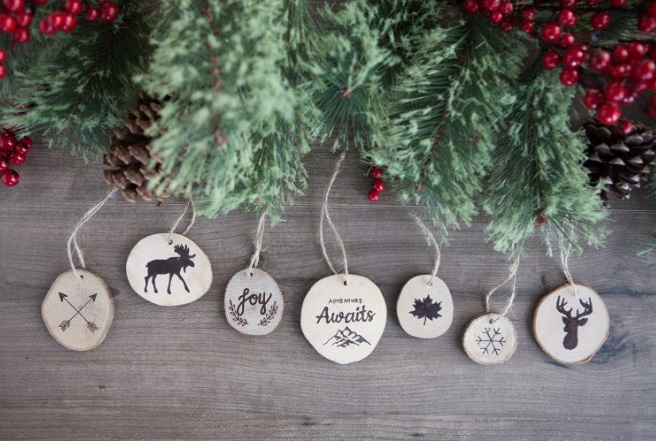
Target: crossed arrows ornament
67, 323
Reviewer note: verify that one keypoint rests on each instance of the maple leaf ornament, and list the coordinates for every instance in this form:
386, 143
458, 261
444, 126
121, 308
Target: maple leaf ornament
427, 309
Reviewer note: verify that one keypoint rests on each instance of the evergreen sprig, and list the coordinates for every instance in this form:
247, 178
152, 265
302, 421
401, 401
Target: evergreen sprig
78, 87
538, 181
231, 134
449, 104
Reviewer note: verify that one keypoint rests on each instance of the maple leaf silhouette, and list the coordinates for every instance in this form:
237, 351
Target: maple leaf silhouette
426, 309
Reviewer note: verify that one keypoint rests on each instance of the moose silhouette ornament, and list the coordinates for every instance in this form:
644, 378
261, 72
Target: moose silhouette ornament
571, 325
173, 259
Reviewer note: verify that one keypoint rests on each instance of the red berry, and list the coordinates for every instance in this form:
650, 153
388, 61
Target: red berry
646, 24
550, 60
567, 40
651, 10
8, 141
45, 27
56, 20
506, 8
573, 57
21, 35
608, 114
626, 126
93, 14
640, 87
3, 71
496, 17
651, 84
551, 32
528, 27
73, 6
7, 23
4, 164
620, 54
616, 92
24, 19
10, 178
471, 6
27, 142
618, 3
507, 26
528, 14
3, 56
637, 50
14, 5
374, 195
20, 148
644, 70
109, 11
567, 3
376, 173
69, 23
592, 98
599, 60
569, 77
490, 5
379, 185
600, 21
17, 158
567, 18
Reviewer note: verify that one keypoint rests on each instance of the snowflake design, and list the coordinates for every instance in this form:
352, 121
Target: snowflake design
491, 341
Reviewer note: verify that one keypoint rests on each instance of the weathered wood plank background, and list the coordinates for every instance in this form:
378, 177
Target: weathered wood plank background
183, 373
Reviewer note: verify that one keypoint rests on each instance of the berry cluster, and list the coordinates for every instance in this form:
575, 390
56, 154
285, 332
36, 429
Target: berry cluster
613, 76
12, 151
16, 17
378, 185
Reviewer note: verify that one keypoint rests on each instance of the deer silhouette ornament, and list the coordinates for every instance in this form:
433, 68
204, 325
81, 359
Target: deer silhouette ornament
171, 266
572, 324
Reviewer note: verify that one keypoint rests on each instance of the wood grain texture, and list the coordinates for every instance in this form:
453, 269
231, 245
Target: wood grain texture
184, 374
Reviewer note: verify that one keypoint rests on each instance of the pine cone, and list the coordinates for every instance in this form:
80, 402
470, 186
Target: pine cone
621, 161
129, 154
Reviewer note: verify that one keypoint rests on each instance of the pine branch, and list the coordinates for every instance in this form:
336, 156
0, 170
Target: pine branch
80, 86
232, 134
451, 101
537, 174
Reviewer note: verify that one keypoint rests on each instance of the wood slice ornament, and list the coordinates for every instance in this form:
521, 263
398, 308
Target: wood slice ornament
169, 269
571, 323
253, 302
425, 307
344, 321
490, 339
78, 310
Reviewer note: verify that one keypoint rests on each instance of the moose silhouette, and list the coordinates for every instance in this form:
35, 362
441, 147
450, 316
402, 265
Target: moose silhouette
171, 266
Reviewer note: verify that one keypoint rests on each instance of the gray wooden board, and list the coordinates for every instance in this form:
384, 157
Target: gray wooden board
183, 373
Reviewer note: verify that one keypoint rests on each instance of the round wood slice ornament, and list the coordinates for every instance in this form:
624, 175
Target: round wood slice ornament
425, 307
168, 269
344, 321
490, 339
78, 310
571, 328
253, 302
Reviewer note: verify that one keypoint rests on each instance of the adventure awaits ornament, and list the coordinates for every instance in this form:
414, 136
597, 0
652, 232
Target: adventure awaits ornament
169, 269
78, 310
571, 323
253, 302
343, 317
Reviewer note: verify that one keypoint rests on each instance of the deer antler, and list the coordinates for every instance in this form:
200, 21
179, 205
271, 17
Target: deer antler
560, 306
587, 308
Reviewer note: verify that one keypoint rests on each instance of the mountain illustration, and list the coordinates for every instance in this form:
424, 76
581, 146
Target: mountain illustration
346, 337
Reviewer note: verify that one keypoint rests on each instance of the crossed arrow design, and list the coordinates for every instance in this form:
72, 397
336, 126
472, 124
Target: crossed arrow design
91, 326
